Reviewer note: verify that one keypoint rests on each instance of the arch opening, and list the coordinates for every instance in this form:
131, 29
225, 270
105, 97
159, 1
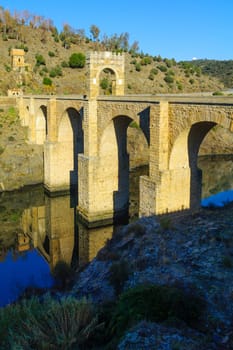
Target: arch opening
215, 159
114, 170
107, 82
71, 143
185, 161
41, 125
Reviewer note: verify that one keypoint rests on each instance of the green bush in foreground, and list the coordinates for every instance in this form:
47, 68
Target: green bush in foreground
46, 325
155, 303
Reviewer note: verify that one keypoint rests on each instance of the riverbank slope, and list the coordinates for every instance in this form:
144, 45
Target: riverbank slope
193, 253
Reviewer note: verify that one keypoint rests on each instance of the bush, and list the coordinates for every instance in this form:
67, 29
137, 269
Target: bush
154, 71
138, 67
7, 68
169, 79
179, 85
151, 76
47, 81
162, 68
55, 72
22, 47
77, 60
40, 61
146, 60
49, 324
104, 84
217, 93
155, 303
51, 54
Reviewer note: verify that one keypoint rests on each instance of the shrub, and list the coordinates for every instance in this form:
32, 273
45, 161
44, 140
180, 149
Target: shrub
179, 85
104, 84
40, 61
56, 38
7, 68
77, 60
11, 138
146, 60
47, 81
169, 79
55, 72
217, 93
134, 125
151, 76
170, 62
154, 71
22, 46
50, 324
155, 303
162, 68
138, 67
51, 54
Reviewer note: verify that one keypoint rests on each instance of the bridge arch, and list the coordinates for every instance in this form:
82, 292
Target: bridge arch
70, 144
185, 176
114, 165
41, 125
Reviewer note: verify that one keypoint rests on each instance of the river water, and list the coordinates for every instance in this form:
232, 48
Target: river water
37, 231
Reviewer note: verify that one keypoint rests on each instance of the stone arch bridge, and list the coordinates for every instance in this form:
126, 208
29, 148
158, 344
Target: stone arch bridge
84, 140
85, 147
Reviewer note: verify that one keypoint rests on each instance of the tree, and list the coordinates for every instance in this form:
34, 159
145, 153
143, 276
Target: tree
134, 47
77, 60
95, 31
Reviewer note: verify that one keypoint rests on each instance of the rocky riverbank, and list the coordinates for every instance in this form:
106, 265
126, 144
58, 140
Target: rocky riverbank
194, 254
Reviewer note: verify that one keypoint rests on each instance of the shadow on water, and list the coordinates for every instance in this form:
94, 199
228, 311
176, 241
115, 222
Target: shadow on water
37, 231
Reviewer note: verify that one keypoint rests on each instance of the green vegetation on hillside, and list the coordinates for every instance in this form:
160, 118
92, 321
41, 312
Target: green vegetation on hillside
56, 60
222, 70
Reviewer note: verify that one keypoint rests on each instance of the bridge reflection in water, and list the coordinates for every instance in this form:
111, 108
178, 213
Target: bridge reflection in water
37, 231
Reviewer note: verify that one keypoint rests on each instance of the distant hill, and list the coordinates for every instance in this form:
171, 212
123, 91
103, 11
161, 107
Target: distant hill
222, 70
48, 53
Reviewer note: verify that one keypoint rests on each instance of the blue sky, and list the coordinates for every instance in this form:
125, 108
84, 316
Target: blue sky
171, 28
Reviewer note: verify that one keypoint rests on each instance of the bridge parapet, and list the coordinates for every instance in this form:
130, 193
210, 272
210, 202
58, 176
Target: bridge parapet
102, 57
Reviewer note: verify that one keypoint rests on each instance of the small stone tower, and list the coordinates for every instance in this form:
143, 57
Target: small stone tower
17, 59
97, 62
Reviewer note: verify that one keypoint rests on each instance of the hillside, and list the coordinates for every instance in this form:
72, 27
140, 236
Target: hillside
222, 70
144, 74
